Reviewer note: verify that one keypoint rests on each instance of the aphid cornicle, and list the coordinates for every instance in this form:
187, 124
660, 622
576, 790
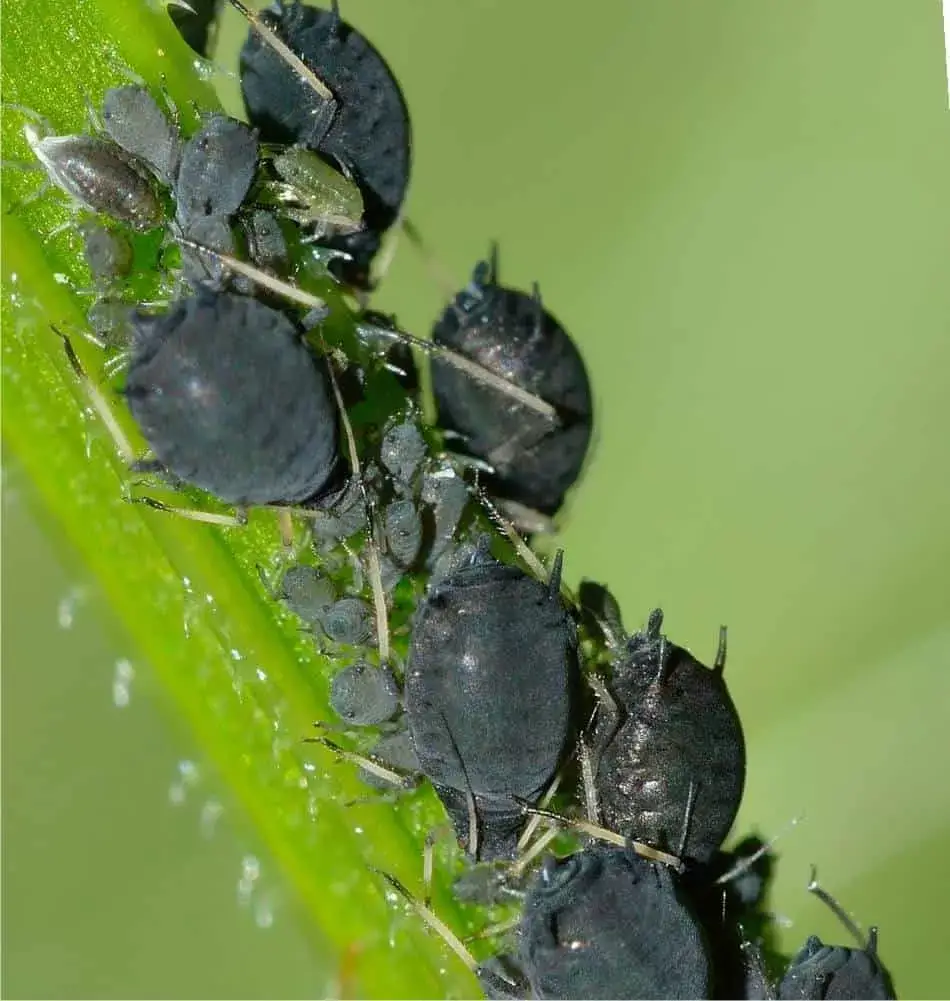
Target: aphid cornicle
363, 126
605, 923
535, 460
674, 761
230, 400
490, 693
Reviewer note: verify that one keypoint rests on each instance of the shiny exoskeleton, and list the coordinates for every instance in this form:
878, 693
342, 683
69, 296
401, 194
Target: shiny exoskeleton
672, 770
535, 458
231, 400
490, 693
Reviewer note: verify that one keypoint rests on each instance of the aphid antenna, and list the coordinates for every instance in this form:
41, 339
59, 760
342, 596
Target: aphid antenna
194, 514
459, 361
365, 762
433, 921
270, 37
868, 941
440, 275
744, 864
98, 401
608, 836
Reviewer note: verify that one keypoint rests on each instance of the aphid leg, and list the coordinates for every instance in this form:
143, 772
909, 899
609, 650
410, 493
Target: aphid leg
756, 965
538, 308
687, 818
270, 37
719, 664
545, 800
746, 862
285, 525
606, 722
372, 545
98, 401
367, 763
433, 921
520, 864
493, 931
608, 836
591, 804
292, 292
194, 514
526, 519
428, 859
840, 913
529, 558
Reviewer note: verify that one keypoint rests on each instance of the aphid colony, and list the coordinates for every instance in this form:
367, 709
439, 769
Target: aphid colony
527, 709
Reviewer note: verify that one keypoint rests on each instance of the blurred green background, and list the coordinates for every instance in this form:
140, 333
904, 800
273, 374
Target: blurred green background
741, 212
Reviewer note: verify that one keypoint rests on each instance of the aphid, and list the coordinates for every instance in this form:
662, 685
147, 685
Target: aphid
133, 120
533, 460
332, 93
489, 693
605, 923
195, 21
218, 164
270, 438
98, 174
108, 254
670, 755
822, 971
364, 695
314, 195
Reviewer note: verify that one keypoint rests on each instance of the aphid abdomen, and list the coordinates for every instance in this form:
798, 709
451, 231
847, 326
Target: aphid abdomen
535, 462
102, 177
680, 730
490, 685
231, 400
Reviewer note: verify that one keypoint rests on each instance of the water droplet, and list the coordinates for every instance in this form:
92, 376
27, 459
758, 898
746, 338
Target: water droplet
263, 914
66, 609
121, 682
210, 813
250, 873
261, 674
186, 779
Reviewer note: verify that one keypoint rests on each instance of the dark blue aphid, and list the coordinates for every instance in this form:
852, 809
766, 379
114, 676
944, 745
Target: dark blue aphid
359, 122
605, 923
822, 971
672, 768
230, 400
490, 694
837, 972
535, 458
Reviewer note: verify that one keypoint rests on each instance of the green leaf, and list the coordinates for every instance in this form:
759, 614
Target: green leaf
233, 666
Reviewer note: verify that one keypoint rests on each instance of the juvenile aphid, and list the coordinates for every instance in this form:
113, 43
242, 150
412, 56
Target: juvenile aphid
670, 754
313, 194
310, 594
107, 253
98, 174
133, 120
345, 104
364, 695
605, 923
218, 164
490, 694
534, 459
231, 400
822, 971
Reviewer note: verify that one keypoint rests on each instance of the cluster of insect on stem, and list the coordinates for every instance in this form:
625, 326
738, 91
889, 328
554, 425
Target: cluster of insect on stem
576, 762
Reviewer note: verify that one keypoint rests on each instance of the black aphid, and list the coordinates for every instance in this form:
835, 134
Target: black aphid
535, 458
489, 693
672, 768
350, 110
605, 923
822, 971
230, 400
